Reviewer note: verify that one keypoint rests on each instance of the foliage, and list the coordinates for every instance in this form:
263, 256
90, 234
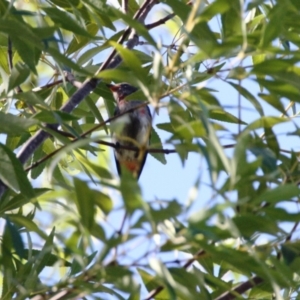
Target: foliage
63, 235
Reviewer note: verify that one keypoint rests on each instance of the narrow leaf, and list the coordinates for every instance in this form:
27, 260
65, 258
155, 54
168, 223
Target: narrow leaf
12, 173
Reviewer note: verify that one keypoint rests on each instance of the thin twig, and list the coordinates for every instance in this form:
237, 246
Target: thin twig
160, 22
48, 85
240, 289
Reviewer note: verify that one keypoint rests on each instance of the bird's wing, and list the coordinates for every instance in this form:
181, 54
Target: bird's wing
116, 112
145, 154
142, 165
118, 165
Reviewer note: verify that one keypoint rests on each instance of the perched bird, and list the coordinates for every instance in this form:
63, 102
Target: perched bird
133, 130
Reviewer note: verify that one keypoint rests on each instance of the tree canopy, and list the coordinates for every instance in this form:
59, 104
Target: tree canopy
71, 228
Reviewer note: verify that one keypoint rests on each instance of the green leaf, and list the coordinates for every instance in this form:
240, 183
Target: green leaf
64, 20
257, 59
3, 60
25, 222
41, 260
90, 53
16, 238
120, 76
178, 114
172, 209
248, 224
204, 38
272, 66
215, 8
131, 192
272, 140
274, 100
275, 24
224, 116
277, 194
38, 169
94, 110
179, 8
165, 126
246, 93
80, 41
103, 201
136, 294
12, 173
18, 75
281, 214
33, 99
20, 200
191, 130
155, 141
14, 125
85, 203
65, 61
269, 161
8, 267
231, 20
165, 276
100, 171
265, 122
281, 88
151, 282
105, 19
131, 61
27, 44
52, 258
290, 251
54, 117
78, 265
98, 232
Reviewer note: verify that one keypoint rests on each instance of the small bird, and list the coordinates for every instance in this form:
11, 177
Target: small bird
133, 131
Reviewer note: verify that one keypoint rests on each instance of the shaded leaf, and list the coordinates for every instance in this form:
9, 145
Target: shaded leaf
155, 141
12, 173
14, 125
85, 203
16, 238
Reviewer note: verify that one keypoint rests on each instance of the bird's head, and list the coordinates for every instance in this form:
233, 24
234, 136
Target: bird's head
121, 90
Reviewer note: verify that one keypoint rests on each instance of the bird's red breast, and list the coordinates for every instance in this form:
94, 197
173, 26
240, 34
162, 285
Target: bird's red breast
132, 166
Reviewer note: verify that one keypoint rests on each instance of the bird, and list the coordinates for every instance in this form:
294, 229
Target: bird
132, 129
